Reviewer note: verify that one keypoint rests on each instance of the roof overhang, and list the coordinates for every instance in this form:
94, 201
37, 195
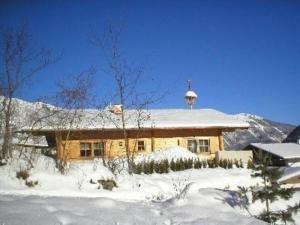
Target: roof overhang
287, 151
53, 130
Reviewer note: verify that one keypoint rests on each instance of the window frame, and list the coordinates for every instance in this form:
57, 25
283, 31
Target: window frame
101, 149
141, 147
189, 146
85, 149
206, 146
199, 145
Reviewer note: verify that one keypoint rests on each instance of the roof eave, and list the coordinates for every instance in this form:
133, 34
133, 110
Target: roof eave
224, 128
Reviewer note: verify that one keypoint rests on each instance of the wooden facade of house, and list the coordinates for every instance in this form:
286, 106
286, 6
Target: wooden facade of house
89, 144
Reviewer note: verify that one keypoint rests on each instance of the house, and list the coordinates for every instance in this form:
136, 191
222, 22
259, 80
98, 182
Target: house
35, 143
282, 154
291, 177
99, 133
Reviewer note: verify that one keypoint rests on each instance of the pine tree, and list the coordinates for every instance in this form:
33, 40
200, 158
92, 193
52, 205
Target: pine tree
211, 163
166, 166
146, 168
134, 167
151, 167
236, 163
197, 164
226, 164
181, 164
161, 167
200, 164
156, 167
241, 163
229, 164
270, 191
178, 165
250, 164
216, 162
173, 165
204, 163
137, 168
186, 164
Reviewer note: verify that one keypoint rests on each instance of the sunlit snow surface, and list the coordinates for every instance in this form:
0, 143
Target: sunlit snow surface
204, 206
205, 196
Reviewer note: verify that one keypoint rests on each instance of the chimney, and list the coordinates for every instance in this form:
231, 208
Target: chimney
116, 109
298, 141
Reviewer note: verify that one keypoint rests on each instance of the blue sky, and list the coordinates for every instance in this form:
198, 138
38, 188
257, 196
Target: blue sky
242, 56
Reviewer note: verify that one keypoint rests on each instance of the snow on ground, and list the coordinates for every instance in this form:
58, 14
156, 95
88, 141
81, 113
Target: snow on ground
77, 183
184, 197
205, 206
136, 187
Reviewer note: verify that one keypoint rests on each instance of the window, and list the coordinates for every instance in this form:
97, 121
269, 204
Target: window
85, 149
141, 145
204, 145
198, 146
99, 149
192, 145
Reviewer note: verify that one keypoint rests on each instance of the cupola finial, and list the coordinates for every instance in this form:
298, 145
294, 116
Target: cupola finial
190, 95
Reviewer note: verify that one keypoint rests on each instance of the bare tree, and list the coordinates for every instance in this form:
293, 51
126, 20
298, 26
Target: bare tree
72, 98
20, 63
126, 78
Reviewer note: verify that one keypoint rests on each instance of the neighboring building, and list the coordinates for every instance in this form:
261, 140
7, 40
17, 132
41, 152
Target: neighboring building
35, 143
200, 131
291, 177
282, 154
293, 137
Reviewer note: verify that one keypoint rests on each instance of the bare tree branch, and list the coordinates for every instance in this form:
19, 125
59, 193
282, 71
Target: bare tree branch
19, 64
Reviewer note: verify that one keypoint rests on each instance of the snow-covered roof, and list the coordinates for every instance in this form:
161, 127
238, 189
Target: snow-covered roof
154, 118
288, 173
283, 150
34, 141
37, 141
201, 118
191, 94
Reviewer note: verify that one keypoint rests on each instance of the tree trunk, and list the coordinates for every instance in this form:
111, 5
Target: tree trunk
7, 136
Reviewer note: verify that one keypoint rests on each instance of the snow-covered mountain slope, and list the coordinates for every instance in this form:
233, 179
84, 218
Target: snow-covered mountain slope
261, 130
294, 136
25, 113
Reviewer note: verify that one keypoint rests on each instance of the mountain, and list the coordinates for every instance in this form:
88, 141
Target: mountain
294, 136
261, 130
27, 112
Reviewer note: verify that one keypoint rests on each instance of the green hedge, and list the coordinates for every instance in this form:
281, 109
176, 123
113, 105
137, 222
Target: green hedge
183, 164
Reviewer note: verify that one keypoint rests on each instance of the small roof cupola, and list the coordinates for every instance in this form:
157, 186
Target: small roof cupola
190, 96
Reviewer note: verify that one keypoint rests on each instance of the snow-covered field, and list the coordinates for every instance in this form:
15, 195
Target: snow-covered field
206, 206
204, 196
